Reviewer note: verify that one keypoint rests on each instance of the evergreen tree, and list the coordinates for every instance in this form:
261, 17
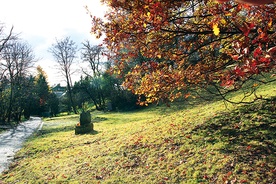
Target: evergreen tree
42, 91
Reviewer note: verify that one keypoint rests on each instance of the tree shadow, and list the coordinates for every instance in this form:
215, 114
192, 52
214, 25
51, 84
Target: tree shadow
68, 128
96, 119
248, 135
50, 130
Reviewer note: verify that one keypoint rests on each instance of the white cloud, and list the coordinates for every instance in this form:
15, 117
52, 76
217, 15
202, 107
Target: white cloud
40, 22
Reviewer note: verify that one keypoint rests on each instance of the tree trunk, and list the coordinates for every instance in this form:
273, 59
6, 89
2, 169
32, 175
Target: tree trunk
70, 96
9, 113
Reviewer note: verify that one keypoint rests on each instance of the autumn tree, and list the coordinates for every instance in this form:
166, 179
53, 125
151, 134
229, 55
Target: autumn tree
64, 51
252, 2
42, 91
187, 44
44, 102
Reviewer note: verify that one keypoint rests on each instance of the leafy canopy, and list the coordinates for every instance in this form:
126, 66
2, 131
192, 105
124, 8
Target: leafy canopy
182, 43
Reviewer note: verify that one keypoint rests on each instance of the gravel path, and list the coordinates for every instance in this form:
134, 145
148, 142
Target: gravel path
12, 140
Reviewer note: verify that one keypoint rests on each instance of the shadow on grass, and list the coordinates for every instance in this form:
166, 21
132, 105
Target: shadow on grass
97, 119
248, 135
52, 130
93, 132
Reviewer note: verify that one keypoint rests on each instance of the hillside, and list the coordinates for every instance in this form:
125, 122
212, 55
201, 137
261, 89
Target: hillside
190, 142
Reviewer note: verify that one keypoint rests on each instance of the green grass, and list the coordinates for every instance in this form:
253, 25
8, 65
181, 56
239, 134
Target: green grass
186, 143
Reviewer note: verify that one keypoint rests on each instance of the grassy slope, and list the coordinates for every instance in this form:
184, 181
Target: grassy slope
182, 144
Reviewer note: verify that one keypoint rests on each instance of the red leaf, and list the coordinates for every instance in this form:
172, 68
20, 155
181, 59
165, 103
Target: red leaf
257, 51
235, 57
264, 60
251, 25
253, 67
188, 136
239, 72
229, 174
243, 181
227, 83
187, 95
245, 29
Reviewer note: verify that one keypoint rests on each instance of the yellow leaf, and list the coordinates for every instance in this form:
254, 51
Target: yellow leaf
145, 25
148, 14
255, 85
216, 29
223, 21
228, 14
270, 23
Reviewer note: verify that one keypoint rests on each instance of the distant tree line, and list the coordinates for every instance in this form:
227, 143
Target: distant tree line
97, 86
23, 95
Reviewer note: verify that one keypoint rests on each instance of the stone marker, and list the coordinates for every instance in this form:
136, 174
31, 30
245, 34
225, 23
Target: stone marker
85, 125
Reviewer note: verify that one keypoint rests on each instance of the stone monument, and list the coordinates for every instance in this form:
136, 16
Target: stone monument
85, 125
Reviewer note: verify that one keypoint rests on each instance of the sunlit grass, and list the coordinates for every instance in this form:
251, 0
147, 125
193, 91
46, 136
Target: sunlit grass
199, 143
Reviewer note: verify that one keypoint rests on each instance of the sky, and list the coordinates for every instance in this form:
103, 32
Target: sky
41, 22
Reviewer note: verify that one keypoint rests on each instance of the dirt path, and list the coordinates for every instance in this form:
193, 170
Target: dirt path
12, 140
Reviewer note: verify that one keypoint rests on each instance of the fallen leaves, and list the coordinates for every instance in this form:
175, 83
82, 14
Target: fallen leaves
156, 148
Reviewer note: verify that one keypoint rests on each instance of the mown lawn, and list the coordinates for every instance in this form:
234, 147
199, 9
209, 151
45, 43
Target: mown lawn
203, 143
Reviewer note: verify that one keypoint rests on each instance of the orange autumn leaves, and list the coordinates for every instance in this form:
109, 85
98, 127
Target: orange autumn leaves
252, 2
163, 48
